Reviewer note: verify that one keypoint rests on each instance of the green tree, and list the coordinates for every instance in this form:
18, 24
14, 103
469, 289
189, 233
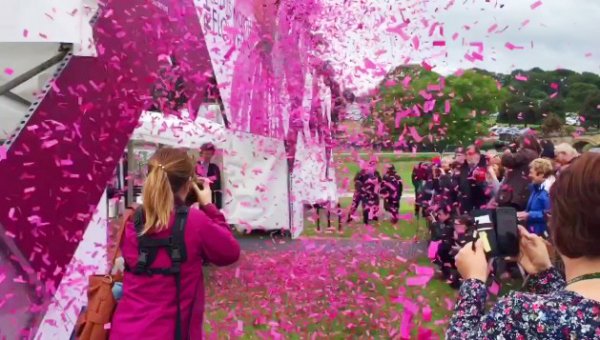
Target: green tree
578, 92
552, 124
470, 97
591, 110
519, 109
553, 105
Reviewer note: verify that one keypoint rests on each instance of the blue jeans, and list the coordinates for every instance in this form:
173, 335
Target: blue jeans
117, 290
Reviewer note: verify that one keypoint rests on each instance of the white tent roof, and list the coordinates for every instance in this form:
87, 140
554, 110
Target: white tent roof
170, 130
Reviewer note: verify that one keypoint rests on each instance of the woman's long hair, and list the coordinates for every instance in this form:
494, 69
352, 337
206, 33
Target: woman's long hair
169, 170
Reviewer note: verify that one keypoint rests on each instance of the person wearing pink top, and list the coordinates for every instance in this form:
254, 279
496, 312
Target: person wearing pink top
148, 308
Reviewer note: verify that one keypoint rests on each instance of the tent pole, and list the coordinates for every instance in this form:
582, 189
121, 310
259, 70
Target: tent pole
34, 71
15, 97
130, 173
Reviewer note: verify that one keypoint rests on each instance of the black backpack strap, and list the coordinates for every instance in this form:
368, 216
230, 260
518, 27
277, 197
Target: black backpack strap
178, 255
175, 245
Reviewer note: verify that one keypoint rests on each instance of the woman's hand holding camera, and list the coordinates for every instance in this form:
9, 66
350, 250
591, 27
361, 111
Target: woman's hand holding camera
472, 264
204, 194
533, 255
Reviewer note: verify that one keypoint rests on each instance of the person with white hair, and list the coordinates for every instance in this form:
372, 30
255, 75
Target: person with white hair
564, 155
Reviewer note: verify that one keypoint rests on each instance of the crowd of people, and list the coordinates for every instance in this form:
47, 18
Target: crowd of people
519, 175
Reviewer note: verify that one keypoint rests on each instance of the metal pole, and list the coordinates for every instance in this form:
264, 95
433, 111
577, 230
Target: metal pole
32, 72
130, 173
17, 98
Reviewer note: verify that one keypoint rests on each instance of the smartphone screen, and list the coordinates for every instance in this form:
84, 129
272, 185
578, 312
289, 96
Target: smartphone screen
507, 231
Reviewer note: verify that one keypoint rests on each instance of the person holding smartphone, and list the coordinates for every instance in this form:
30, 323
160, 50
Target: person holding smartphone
551, 307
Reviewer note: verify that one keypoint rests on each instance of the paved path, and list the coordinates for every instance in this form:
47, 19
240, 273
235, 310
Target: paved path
406, 249
404, 195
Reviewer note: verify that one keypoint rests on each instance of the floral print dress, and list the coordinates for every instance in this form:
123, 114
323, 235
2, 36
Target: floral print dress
545, 311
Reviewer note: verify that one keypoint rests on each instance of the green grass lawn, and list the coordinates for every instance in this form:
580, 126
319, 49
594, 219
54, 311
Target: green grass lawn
347, 166
409, 228
316, 295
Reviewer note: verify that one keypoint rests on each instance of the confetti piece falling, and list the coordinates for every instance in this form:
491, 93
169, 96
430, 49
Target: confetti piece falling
536, 4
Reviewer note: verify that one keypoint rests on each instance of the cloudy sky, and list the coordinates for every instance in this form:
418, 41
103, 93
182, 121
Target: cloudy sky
507, 35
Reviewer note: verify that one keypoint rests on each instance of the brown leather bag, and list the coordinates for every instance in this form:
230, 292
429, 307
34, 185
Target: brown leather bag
94, 323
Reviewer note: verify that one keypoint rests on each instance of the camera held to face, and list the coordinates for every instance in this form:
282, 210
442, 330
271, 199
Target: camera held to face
497, 230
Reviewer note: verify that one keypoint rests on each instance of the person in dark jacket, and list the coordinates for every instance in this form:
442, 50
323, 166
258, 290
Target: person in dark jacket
444, 187
514, 189
206, 169
539, 200
367, 184
423, 198
471, 183
391, 191
418, 179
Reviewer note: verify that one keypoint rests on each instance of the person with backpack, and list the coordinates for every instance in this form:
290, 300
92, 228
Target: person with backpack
164, 247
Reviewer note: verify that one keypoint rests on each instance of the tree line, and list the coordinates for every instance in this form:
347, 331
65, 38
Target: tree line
414, 105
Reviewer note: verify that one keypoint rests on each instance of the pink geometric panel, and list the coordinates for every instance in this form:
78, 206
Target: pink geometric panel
61, 160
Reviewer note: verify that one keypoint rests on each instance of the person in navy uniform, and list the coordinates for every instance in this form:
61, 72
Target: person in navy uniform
206, 169
366, 192
391, 191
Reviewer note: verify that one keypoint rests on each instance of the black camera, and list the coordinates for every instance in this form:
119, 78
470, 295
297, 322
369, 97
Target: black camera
498, 231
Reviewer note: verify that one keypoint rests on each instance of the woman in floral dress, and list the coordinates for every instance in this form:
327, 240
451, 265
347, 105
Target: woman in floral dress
551, 307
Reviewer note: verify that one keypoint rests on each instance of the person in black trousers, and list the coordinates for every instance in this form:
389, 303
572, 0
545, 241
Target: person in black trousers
391, 191
366, 192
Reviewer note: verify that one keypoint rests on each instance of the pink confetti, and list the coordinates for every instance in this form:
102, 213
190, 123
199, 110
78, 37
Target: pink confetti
418, 281
2, 152
439, 43
406, 324
49, 144
511, 47
494, 288
415, 134
427, 313
521, 77
25, 33
9, 71
536, 4
400, 31
416, 43
433, 249
427, 271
